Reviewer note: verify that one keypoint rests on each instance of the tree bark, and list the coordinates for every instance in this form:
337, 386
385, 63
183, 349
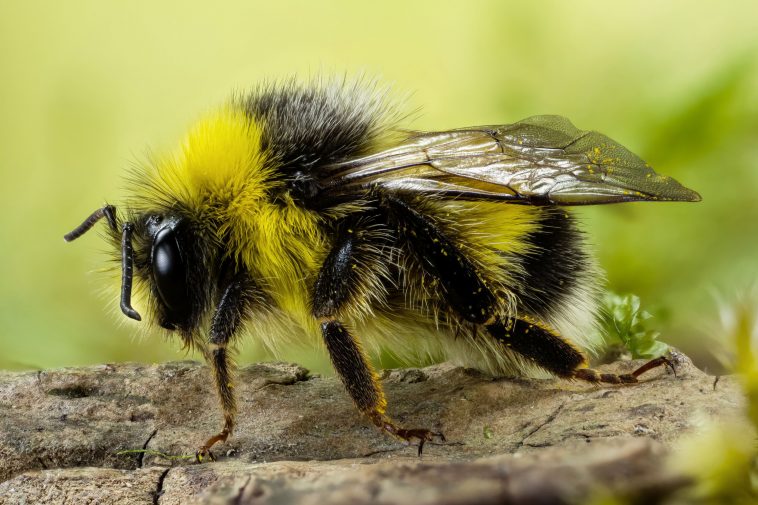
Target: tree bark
300, 440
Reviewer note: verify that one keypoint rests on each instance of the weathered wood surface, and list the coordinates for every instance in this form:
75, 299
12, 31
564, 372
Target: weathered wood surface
300, 440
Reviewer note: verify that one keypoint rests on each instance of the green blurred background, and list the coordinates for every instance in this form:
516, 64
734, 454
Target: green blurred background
88, 86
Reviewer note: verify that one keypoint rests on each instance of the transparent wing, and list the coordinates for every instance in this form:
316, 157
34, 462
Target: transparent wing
542, 159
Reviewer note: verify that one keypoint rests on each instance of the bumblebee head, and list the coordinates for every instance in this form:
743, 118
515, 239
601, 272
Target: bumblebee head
184, 204
163, 251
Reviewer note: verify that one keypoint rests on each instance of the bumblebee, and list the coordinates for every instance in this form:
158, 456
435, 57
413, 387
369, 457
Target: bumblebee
303, 211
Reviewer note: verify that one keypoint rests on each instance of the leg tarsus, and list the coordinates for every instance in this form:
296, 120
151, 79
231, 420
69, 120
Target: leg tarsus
655, 363
421, 435
591, 375
205, 449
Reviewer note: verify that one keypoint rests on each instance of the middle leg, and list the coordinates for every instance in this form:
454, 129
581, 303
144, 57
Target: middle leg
349, 278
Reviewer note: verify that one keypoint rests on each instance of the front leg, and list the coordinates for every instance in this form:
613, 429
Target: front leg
238, 297
347, 280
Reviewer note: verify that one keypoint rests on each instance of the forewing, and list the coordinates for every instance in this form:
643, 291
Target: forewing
542, 159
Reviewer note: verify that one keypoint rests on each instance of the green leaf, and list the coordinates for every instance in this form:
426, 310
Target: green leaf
624, 322
487, 431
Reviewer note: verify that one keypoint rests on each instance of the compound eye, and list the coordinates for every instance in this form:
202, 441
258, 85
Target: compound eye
170, 275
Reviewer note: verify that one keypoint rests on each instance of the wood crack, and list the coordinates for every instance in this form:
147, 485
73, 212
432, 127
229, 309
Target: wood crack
159, 487
550, 418
141, 455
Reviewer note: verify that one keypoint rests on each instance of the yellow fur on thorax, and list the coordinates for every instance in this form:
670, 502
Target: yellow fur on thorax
222, 176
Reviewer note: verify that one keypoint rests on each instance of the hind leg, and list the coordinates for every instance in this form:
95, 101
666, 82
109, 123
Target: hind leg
468, 294
545, 348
